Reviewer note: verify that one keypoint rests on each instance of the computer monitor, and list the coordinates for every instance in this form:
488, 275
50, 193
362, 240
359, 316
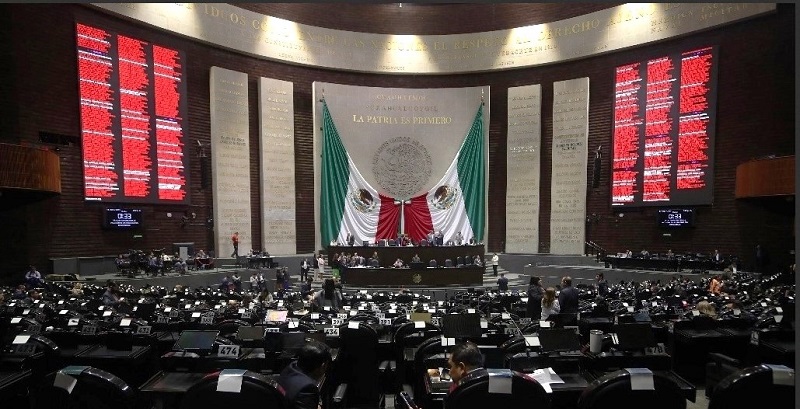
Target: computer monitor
461, 325
634, 337
201, 342
277, 315
559, 339
253, 333
145, 310
423, 316
293, 341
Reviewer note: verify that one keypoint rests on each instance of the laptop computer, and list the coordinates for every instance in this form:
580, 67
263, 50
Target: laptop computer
200, 342
277, 315
253, 333
559, 340
461, 325
635, 337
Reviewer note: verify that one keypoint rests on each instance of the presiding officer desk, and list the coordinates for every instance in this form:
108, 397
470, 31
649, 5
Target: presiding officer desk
388, 254
424, 276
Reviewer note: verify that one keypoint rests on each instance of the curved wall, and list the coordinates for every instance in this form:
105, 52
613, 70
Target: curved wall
755, 118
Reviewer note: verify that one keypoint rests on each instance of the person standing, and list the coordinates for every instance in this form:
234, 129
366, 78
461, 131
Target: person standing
237, 281
568, 297
254, 282
535, 294
550, 304
602, 285
320, 268
502, 283
235, 242
495, 263
304, 266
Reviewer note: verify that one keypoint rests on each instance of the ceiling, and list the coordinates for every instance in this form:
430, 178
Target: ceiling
423, 18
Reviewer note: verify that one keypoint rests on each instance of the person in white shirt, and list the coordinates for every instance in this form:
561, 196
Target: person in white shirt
320, 268
495, 263
253, 282
549, 303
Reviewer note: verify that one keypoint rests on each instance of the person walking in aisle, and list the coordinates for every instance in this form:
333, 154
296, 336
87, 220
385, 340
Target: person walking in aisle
235, 242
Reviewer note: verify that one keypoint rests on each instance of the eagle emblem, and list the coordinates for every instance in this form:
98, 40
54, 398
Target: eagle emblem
444, 197
362, 201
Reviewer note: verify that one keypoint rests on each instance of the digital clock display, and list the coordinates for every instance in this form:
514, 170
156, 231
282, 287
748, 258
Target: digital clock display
122, 219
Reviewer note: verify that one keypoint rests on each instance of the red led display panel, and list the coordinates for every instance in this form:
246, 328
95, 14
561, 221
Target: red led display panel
664, 111
133, 119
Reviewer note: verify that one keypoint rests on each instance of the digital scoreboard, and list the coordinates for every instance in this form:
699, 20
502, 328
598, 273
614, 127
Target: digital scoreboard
133, 119
664, 124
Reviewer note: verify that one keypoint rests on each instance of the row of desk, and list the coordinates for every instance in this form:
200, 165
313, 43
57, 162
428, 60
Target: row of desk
388, 255
413, 277
664, 264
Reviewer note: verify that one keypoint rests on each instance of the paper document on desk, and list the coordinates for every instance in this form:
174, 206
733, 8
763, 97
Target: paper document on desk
545, 377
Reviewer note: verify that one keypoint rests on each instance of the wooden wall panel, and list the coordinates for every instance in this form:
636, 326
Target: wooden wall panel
766, 177
755, 118
23, 167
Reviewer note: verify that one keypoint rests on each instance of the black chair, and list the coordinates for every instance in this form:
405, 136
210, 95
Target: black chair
613, 391
752, 387
357, 365
256, 391
433, 263
93, 389
473, 392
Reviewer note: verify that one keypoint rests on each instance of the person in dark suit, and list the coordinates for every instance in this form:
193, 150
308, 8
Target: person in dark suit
465, 362
299, 379
502, 283
568, 297
304, 267
535, 294
351, 240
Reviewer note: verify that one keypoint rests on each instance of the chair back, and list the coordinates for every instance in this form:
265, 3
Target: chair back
82, 387
254, 391
614, 391
473, 393
754, 386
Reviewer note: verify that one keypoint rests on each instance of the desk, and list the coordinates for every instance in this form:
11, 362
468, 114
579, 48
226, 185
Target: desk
131, 366
564, 395
388, 255
437, 276
687, 389
256, 261
14, 387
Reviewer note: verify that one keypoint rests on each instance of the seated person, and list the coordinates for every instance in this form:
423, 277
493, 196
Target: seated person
20, 293
398, 263
305, 288
329, 296
33, 295
459, 239
707, 309
465, 362
180, 266
415, 259
471, 241
33, 278
715, 286
299, 380
110, 297
203, 260
477, 261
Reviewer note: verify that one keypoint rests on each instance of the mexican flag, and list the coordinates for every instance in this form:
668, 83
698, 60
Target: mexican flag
348, 203
457, 203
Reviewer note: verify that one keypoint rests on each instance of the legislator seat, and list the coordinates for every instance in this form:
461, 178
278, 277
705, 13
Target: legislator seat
614, 391
220, 390
83, 387
754, 386
475, 392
